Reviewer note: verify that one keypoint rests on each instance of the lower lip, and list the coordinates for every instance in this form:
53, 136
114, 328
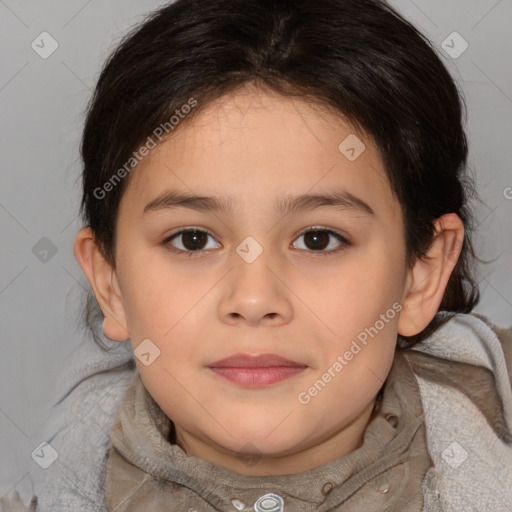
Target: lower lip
253, 377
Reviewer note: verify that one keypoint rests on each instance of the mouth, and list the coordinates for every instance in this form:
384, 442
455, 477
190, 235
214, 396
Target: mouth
256, 371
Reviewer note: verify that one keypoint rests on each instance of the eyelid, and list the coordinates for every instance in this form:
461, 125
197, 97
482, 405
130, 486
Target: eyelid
322, 228
186, 229
344, 241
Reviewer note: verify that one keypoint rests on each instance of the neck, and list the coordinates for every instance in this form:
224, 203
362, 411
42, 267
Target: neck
301, 459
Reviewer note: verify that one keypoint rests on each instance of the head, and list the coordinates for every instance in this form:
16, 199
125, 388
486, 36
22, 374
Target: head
275, 177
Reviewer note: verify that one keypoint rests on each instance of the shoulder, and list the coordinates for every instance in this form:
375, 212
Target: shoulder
74, 440
471, 354
463, 372
504, 335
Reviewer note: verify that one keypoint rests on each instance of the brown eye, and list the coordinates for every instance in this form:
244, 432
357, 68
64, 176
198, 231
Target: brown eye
321, 241
316, 240
191, 240
194, 240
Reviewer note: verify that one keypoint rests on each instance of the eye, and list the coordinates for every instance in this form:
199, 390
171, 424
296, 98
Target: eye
191, 240
322, 240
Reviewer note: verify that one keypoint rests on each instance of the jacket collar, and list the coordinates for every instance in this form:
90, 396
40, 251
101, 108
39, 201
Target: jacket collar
386, 470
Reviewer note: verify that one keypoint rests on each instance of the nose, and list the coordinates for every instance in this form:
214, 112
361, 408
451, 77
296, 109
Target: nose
255, 295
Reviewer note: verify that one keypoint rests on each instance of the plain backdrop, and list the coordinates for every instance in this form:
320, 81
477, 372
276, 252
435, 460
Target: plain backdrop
42, 102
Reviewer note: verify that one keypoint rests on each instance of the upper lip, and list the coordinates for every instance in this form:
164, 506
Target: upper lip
258, 361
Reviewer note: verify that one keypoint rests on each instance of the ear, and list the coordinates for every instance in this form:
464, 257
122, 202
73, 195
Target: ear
427, 279
103, 280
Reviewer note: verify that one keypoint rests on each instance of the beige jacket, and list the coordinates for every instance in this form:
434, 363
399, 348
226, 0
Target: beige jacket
440, 440
147, 473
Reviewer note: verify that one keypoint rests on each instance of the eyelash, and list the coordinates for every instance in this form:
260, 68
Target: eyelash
344, 243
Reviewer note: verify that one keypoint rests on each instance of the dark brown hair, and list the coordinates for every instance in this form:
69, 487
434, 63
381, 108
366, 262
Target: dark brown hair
358, 58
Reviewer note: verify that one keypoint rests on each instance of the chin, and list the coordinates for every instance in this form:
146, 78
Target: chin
259, 443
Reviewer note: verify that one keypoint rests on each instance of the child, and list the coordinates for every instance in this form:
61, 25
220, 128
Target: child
276, 216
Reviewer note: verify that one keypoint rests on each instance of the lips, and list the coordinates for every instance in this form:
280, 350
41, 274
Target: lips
256, 371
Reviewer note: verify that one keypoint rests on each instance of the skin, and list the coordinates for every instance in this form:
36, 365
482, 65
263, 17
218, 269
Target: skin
307, 306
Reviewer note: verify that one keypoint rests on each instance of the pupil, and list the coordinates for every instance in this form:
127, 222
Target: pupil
193, 240
318, 239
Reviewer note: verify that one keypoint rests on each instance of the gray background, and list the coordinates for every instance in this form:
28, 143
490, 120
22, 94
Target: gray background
42, 102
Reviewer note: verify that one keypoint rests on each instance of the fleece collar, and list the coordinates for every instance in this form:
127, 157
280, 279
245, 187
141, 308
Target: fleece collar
146, 472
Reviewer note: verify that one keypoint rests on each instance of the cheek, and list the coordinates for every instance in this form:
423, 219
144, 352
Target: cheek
353, 294
156, 293
360, 308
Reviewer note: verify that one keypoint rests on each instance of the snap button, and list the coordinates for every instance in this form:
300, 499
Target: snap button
269, 503
327, 488
384, 488
239, 505
392, 419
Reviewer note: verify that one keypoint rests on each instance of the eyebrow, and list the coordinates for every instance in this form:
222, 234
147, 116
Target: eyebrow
284, 206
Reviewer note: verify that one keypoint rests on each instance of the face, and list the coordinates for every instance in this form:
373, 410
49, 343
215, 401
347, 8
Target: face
298, 254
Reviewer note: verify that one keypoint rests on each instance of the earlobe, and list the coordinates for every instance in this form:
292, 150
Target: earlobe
103, 280
428, 277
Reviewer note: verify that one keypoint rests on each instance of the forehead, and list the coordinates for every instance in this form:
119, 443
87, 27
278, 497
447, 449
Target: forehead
257, 146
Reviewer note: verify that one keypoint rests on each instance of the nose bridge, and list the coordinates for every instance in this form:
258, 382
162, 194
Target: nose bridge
254, 293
